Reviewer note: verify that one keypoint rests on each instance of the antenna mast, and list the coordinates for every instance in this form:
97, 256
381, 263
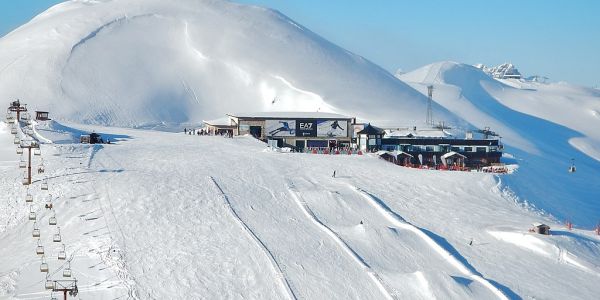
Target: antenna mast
429, 119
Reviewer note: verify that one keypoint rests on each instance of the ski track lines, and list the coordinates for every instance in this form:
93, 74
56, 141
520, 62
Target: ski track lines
275, 266
357, 258
398, 221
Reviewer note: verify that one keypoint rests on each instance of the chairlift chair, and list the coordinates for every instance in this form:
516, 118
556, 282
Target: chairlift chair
25, 180
29, 198
39, 250
19, 150
52, 220
13, 130
17, 141
67, 271
49, 202
45, 185
52, 297
32, 215
62, 254
49, 283
572, 168
56, 237
41, 167
44, 265
37, 151
36, 230
22, 164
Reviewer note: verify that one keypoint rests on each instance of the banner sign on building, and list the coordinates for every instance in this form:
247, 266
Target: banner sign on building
332, 128
280, 127
306, 128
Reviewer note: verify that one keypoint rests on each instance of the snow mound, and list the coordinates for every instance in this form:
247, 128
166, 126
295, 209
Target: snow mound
146, 63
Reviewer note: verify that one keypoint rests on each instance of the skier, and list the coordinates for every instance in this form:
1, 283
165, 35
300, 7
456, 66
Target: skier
471, 242
184, 130
333, 174
335, 125
284, 127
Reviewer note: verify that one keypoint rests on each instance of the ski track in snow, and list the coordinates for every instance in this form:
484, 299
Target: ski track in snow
121, 261
355, 256
274, 264
395, 219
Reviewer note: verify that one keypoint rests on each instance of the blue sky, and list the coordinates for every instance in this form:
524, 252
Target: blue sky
559, 38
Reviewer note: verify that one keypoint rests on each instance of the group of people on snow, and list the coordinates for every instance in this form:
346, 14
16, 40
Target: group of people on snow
201, 132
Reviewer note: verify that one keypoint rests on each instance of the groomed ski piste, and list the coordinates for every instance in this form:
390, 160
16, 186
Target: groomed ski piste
160, 215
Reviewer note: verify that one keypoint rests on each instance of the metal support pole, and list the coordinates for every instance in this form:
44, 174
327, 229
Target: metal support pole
29, 167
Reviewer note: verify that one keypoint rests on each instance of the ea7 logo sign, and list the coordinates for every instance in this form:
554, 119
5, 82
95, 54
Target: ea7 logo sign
306, 125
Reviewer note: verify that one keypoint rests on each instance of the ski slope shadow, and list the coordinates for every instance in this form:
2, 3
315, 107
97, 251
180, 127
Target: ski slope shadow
273, 262
376, 278
439, 245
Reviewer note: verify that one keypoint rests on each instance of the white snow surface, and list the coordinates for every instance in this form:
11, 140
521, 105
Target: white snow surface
224, 219
543, 126
147, 63
161, 215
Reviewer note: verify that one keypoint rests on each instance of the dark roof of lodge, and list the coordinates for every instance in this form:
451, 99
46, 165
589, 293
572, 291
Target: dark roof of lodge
439, 141
290, 115
371, 130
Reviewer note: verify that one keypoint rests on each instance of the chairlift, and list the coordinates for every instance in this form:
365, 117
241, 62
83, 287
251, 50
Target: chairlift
25, 180
45, 185
39, 250
62, 254
52, 297
29, 198
32, 215
13, 130
48, 204
49, 283
19, 150
17, 141
36, 230
67, 271
37, 151
41, 168
52, 220
22, 164
44, 265
572, 168
56, 237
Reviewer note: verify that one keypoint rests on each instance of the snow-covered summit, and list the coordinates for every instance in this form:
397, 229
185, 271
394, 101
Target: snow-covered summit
139, 63
503, 71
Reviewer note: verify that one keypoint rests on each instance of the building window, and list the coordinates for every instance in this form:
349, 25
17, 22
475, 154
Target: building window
456, 149
481, 149
429, 148
468, 149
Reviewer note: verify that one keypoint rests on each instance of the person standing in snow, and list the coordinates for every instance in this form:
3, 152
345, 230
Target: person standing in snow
333, 174
184, 130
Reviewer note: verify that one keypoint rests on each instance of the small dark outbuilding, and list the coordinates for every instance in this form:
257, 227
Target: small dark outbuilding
541, 228
41, 115
369, 138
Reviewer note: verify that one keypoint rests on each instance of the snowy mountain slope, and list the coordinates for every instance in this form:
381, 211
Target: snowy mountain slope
225, 219
145, 63
540, 124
